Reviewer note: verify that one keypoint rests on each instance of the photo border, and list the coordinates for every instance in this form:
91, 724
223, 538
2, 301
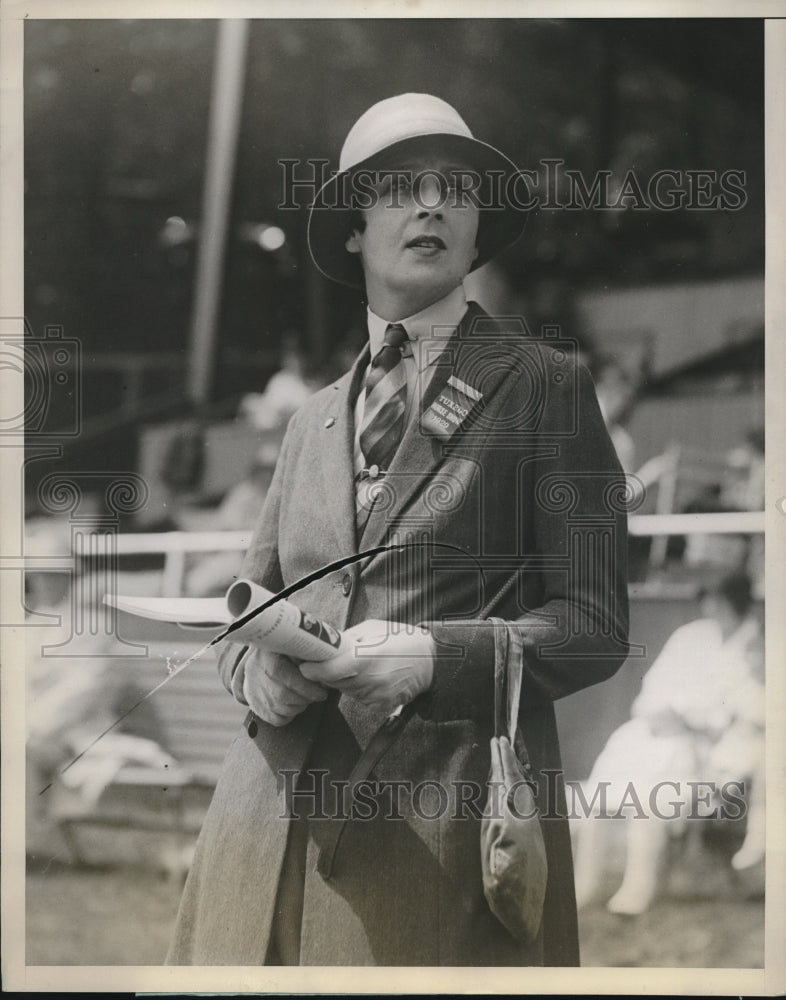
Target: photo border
583, 980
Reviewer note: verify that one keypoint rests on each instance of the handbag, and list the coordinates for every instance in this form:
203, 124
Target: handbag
512, 849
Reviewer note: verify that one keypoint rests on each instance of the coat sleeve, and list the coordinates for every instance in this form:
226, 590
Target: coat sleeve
574, 631
261, 564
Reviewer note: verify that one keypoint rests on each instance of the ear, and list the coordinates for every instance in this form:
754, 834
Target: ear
353, 242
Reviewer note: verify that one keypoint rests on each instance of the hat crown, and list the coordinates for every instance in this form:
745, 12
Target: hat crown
396, 118
399, 126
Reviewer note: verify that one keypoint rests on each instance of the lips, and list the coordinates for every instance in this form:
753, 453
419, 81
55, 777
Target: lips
428, 242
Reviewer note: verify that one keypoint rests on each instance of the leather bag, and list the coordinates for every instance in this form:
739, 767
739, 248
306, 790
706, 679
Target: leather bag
512, 850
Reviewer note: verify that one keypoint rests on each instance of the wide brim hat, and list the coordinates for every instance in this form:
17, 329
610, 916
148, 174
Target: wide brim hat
390, 131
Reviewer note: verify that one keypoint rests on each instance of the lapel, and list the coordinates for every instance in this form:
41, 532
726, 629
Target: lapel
420, 454
337, 462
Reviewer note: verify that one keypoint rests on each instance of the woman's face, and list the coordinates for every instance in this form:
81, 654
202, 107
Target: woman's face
419, 239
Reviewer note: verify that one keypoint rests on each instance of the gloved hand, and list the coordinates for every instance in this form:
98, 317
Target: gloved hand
275, 689
383, 664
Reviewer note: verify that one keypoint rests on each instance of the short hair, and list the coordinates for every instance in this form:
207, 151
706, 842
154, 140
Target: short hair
734, 588
357, 222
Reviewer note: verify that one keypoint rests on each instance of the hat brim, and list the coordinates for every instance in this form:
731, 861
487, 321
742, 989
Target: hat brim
330, 221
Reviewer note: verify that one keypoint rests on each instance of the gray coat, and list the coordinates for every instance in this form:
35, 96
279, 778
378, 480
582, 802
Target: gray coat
530, 489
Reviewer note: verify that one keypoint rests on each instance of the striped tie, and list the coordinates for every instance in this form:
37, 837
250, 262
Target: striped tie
386, 400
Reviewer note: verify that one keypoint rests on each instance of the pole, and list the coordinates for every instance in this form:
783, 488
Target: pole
223, 127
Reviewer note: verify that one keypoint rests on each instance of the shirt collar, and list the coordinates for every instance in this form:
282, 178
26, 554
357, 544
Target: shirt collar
436, 322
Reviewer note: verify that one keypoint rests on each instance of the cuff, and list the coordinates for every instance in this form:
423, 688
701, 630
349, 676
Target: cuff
463, 682
232, 672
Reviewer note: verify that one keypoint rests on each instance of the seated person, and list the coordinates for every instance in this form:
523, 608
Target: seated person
71, 700
698, 718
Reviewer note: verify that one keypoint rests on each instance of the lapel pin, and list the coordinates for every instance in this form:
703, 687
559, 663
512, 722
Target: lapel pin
330, 421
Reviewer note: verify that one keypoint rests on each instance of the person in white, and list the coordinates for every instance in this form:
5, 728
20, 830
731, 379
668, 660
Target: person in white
699, 718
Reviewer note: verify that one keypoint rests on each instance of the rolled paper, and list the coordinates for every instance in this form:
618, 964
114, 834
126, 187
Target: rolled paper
281, 628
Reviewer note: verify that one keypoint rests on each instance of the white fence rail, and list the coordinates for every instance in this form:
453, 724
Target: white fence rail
176, 545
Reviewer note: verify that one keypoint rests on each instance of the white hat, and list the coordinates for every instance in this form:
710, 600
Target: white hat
394, 127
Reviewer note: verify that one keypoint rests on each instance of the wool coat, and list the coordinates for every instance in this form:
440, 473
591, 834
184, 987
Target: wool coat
517, 510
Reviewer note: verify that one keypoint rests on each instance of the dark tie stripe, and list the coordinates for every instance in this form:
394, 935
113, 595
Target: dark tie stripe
385, 403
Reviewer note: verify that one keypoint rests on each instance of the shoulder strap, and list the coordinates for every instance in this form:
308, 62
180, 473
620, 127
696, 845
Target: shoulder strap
508, 673
500, 686
515, 674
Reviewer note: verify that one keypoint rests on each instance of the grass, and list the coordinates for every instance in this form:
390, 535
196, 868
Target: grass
112, 916
676, 932
122, 914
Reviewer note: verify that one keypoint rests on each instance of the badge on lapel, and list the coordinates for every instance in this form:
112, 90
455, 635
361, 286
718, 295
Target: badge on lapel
450, 409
